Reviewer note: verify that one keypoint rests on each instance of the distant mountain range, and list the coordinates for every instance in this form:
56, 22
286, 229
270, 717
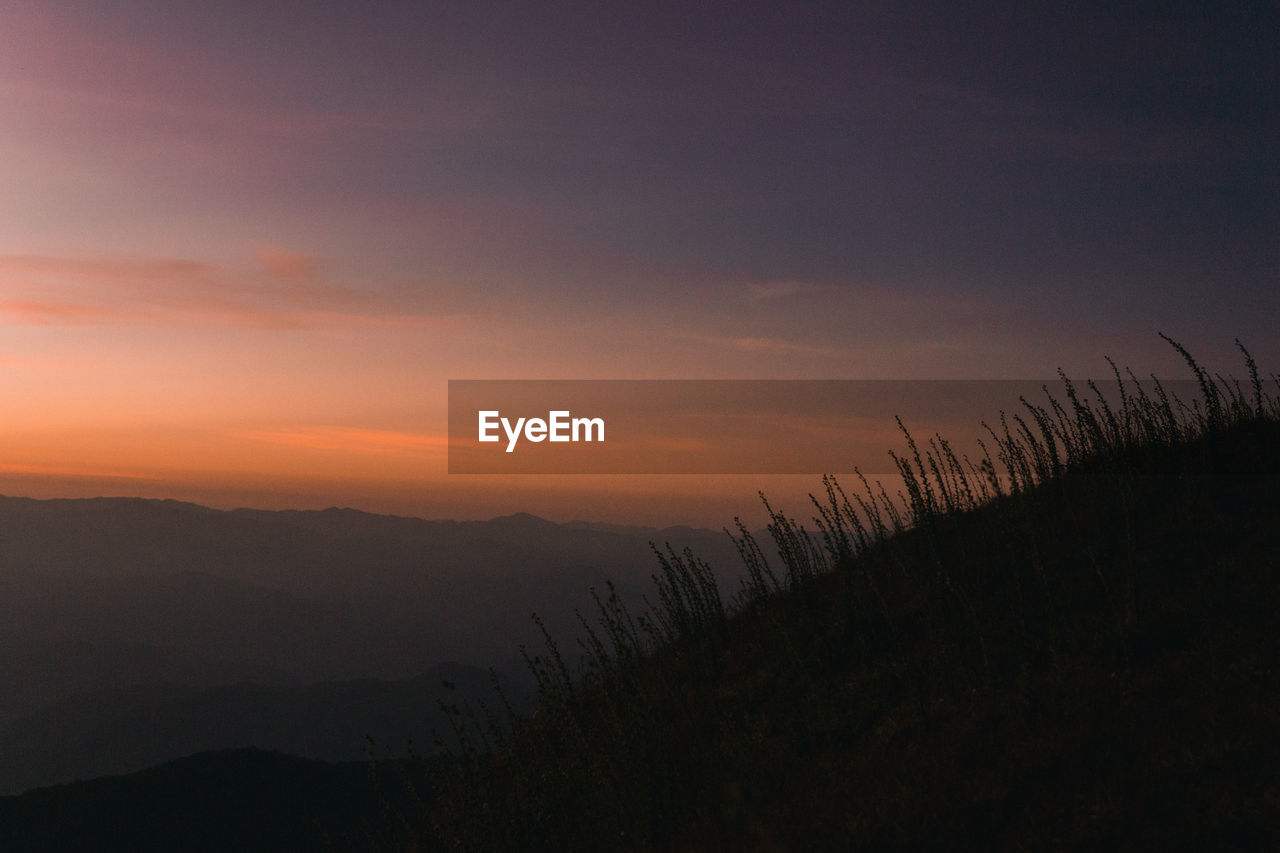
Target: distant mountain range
122, 729
135, 631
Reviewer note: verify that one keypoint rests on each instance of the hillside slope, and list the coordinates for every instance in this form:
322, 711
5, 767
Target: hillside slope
1088, 659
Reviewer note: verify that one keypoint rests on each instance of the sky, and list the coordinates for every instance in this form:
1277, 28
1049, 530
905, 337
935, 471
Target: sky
244, 246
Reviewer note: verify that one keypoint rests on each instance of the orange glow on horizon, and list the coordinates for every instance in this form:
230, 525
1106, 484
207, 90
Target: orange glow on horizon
353, 440
75, 472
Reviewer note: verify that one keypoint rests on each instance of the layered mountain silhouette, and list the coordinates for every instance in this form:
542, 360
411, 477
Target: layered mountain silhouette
137, 631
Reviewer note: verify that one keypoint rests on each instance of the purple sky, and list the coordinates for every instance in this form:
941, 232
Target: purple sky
298, 219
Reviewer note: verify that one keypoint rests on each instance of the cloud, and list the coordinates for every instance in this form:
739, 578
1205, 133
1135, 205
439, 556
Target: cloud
55, 314
74, 471
780, 345
283, 291
286, 265
54, 270
65, 59
772, 290
350, 439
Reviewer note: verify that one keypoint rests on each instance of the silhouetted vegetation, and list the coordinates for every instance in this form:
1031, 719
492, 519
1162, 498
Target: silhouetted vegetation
1069, 642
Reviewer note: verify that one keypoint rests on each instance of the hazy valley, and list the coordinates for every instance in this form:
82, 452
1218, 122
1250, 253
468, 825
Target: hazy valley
139, 631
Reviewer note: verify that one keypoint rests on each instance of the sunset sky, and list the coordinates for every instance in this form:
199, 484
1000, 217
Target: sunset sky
245, 245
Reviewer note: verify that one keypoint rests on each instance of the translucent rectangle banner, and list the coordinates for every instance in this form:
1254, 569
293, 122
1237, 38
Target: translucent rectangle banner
735, 426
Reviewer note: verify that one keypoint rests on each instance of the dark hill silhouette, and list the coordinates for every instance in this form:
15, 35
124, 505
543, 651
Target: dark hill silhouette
1071, 644
125, 729
244, 800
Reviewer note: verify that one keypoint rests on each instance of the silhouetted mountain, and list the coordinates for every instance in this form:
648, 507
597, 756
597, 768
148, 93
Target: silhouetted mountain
139, 608
242, 800
124, 729
38, 672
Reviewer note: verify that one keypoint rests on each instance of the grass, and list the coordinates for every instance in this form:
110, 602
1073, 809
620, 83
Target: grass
1069, 642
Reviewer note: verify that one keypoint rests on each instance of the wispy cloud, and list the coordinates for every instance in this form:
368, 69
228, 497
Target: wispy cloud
286, 265
349, 439
46, 269
56, 314
284, 290
770, 291
783, 346
74, 471
58, 59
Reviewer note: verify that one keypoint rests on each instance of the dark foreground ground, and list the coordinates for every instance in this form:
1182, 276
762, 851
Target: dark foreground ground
245, 799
